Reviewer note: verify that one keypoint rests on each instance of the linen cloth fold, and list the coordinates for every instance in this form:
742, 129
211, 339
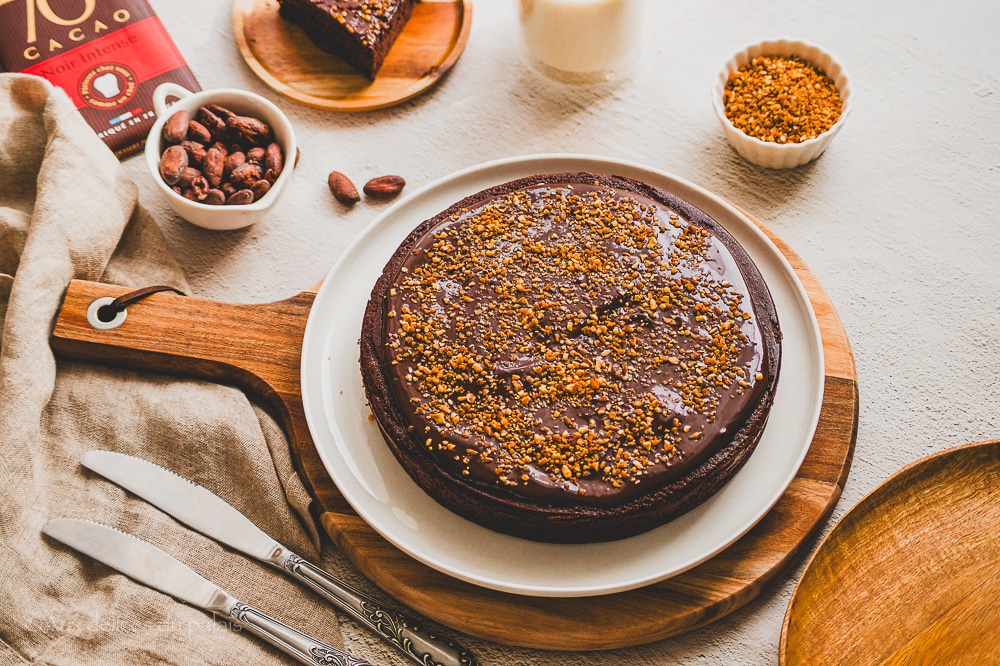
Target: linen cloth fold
68, 211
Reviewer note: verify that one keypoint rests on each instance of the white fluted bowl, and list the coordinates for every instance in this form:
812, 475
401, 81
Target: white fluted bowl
782, 155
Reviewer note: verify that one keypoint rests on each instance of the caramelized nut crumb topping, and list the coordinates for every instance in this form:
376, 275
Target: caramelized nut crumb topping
368, 18
526, 325
781, 100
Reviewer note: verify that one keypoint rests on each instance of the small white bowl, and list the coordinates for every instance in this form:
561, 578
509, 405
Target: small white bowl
782, 155
239, 101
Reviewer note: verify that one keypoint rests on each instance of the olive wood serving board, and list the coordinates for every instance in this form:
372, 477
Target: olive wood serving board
281, 54
911, 574
257, 347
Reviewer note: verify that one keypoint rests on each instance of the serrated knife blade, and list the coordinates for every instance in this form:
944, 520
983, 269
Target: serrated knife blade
191, 504
209, 514
147, 564
140, 561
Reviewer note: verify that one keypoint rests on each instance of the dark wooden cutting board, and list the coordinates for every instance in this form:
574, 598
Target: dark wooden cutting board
258, 347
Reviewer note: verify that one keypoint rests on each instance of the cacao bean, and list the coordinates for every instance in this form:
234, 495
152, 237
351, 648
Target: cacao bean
221, 147
176, 127
270, 176
214, 166
233, 161
273, 159
211, 120
228, 189
198, 132
256, 155
240, 197
188, 176
248, 129
384, 187
260, 188
195, 151
189, 194
220, 111
200, 188
172, 164
245, 175
215, 197
342, 188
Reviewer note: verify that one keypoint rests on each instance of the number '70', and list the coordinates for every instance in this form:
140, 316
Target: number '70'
35, 7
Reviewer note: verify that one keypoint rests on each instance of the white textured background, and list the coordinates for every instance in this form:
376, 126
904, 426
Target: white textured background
899, 220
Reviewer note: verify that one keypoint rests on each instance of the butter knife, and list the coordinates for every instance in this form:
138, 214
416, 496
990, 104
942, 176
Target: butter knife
205, 512
147, 564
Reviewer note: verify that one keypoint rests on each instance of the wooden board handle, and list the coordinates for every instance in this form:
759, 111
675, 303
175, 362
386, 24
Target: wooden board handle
256, 347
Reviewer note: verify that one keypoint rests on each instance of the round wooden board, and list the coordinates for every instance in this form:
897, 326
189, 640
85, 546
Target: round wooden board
911, 574
281, 54
687, 601
187, 335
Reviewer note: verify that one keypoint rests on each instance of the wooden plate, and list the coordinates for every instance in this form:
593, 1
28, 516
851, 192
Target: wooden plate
911, 574
281, 54
258, 347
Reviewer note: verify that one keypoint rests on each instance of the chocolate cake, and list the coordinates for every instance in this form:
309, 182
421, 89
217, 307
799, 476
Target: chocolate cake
359, 32
571, 357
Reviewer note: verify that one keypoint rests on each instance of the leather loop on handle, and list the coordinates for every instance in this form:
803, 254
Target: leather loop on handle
107, 313
128, 299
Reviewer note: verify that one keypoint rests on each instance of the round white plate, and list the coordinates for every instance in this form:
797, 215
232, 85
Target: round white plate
367, 473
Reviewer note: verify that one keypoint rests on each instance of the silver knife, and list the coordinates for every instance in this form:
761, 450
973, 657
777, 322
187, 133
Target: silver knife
205, 512
147, 564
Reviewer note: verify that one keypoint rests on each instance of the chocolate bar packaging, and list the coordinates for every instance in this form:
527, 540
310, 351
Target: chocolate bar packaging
108, 55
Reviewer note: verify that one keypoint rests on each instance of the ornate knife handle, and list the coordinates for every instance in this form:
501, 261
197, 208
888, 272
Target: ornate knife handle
303, 647
420, 645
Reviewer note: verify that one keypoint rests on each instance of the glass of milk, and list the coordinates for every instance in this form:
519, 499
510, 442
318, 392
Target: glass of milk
580, 41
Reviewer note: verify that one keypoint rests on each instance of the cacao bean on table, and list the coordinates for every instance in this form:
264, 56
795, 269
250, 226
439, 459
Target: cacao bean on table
384, 187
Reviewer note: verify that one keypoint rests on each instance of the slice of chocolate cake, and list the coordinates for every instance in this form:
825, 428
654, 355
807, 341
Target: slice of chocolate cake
359, 32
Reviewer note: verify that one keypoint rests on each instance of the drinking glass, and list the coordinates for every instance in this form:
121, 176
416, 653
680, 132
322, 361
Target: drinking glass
580, 41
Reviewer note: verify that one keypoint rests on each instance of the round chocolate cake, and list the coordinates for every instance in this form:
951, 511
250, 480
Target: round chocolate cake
571, 357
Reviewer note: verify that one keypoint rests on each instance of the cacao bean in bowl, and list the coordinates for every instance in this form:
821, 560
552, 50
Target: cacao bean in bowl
220, 157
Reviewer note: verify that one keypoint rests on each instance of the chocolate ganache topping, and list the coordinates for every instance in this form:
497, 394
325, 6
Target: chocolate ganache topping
575, 340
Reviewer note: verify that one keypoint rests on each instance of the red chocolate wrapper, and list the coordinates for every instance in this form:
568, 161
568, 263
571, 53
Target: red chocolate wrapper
108, 55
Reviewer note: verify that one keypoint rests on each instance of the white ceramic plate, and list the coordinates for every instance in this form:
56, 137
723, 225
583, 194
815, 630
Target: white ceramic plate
378, 488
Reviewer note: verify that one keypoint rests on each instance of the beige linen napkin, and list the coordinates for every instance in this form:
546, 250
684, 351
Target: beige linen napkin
67, 211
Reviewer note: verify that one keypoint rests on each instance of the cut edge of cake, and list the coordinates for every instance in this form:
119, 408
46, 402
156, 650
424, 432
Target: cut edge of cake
361, 33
